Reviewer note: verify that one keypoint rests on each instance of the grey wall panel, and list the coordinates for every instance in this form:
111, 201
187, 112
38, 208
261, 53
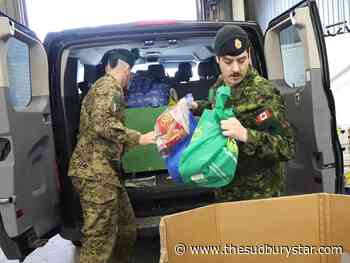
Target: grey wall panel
331, 11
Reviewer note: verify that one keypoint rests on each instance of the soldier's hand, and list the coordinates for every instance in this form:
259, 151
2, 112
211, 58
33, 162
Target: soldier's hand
233, 128
147, 138
194, 105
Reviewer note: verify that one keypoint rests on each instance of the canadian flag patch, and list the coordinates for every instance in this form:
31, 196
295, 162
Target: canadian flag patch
263, 116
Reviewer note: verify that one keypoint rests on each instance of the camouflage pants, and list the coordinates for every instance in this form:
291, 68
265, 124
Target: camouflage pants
228, 195
266, 184
109, 230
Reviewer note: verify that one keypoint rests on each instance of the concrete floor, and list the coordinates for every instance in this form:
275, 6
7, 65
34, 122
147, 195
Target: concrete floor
59, 250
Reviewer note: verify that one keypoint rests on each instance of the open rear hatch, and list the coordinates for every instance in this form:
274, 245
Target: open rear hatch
151, 190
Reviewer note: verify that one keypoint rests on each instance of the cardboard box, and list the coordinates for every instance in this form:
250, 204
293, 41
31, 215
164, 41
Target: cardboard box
261, 231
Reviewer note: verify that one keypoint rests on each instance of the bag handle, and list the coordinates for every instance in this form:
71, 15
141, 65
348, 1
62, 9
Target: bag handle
222, 95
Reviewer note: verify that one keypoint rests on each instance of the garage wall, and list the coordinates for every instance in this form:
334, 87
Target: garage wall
331, 11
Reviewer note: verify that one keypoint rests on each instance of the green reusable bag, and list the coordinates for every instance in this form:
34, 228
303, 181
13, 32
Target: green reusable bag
210, 159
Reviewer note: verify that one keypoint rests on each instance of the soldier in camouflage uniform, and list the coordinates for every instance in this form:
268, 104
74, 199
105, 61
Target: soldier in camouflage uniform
265, 138
109, 229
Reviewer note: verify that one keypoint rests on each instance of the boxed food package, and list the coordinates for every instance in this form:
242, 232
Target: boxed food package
173, 125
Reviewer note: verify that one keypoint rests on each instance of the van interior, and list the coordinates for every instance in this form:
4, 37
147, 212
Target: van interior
166, 68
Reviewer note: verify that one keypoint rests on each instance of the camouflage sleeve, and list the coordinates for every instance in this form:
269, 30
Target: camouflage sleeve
107, 120
274, 137
133, 138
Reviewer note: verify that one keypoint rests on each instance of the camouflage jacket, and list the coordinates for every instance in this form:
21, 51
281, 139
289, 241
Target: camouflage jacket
261, 109
102, 135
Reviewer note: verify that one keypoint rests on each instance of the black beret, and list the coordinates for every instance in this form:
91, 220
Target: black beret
119, 53
231, 40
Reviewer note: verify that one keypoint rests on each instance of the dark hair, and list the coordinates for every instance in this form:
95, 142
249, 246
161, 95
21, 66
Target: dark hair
109, 59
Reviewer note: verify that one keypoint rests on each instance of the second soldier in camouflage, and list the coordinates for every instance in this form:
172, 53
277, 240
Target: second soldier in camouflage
109, 229
264, 135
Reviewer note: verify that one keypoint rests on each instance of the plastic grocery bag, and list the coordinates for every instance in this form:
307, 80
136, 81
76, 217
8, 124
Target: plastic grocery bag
172, 160
174, 129
210, 159
173, 125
